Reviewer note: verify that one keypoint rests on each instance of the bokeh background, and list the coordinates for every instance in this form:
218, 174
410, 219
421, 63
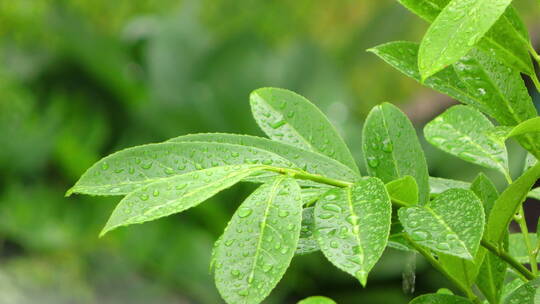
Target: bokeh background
81, 79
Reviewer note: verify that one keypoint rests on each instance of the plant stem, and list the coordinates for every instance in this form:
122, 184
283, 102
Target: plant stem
509, 260
427, 255
537, 59
299, 174
520, 219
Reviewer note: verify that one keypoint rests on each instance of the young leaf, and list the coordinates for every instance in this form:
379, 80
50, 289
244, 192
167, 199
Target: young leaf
460, 131
127, 170
317, 300
453, 223
527, 293
439, 298
508, 203
307, 242
404, 191
529, 126
353, 225
309, 161
455, 31
438, 185
508, 38
290, 118
259, 242
392, 150
175, 194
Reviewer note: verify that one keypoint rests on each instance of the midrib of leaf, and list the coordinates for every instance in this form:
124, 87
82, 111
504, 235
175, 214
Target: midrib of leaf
490, 275
199, 189
443, 223
386, 129
292, 128
263, 228
355, 225
478, 146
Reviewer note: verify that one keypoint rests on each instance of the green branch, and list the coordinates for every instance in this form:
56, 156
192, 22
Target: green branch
518, 267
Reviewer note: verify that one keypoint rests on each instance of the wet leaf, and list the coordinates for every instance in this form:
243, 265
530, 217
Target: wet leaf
460, 131
259, 242
455, 31
309, 161
317, 300
404, 191
508, 38
517, 247
175, 194
127, 170
439, 298
307, 242
392, 150
353, 225
508, 203
290, 118
527, 293
486, 191
438, 185
453, 223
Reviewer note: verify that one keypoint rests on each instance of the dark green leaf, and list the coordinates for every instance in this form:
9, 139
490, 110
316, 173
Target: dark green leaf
484, 188
455, 31
259, 242
307, 242
353, 225
460, 131
175, 194
453, 223
129, 169
290, 118
392, 150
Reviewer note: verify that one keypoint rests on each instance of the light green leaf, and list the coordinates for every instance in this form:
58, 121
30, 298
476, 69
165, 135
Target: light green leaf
307, 242
535, 193
290, 118
175, 194
317, 300
453, 223
528, 293
309, 161
517, 247
404, 190
438, 185
491, 275
508, 38
392, 150
478, 80
353, 225
508, 203
311, 195
439, 299
510, 287
259, 242
455, 31
465, 271
127, 170
530, 160
460, 131
529, 126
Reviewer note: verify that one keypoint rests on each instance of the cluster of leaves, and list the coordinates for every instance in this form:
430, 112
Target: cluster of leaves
312, 196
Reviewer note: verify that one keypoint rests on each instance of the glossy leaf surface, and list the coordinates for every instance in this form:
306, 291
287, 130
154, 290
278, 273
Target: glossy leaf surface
527, 293
307, 242
392, 150
439, 299
317, 300
452, 223
290, 118
404, 191
438, 185
353, 225
259, 242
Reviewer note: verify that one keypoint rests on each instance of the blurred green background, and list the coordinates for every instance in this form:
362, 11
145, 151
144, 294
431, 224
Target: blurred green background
81, 79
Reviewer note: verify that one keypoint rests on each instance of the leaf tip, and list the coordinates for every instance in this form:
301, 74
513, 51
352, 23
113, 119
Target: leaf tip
70, 191
362, 275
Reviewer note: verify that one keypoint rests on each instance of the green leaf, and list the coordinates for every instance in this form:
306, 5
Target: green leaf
535, 193
453, 223
404, 190
127, 170
508, 38
438, 185
491, 275
465, 271
508, 203
175, 194
517, 247
530, 160
455, 31
486, 191
317, 300
392, 150
460, 131
309, 161
259, 242
311, 195
290, 118
307, 242
353, 225
478, 80
439, 299
529, 126
527, 293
